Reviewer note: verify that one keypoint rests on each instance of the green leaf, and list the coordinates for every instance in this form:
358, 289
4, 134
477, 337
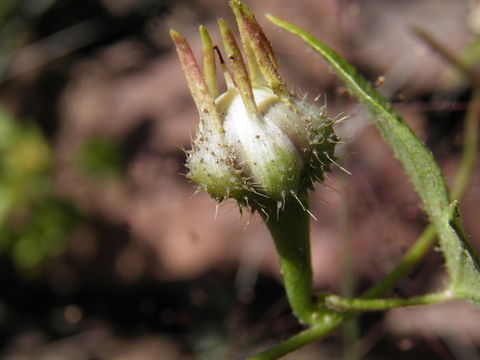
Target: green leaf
421, 168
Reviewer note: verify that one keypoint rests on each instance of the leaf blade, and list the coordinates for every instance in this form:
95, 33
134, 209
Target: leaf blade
421, 168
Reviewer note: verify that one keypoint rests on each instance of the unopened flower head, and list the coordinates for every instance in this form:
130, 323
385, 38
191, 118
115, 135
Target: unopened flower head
257, 140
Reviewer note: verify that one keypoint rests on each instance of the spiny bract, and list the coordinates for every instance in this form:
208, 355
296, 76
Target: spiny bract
257, 141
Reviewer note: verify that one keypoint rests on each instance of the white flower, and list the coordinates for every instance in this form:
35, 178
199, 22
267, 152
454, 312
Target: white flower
256, 142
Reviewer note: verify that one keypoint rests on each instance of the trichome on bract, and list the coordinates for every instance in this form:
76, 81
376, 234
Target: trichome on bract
257, 142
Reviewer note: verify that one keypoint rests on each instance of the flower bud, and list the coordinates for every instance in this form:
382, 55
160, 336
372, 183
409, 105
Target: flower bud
257, 140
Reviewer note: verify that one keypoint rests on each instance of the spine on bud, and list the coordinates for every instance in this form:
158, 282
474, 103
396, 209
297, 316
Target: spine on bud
258, 143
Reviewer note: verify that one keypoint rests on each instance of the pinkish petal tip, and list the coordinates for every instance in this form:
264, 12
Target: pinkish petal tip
196, 83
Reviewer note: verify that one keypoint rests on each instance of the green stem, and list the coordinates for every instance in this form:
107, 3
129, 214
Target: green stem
329, 321
291, 233
462, 178
338, 303
414, 255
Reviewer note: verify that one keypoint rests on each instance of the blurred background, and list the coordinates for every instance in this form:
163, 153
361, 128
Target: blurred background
106, 254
